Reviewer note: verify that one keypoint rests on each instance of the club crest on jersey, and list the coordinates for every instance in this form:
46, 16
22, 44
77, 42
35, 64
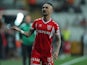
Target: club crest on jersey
49, 27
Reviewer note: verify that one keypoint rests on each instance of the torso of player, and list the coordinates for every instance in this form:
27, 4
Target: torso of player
44, 34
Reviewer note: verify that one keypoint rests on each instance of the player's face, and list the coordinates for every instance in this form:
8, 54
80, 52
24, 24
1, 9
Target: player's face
28, 19
47, 9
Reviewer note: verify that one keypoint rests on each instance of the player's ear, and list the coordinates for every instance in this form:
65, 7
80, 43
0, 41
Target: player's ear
51, 10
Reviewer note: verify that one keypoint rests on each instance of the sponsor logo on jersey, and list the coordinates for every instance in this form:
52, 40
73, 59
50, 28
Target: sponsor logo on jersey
45, 32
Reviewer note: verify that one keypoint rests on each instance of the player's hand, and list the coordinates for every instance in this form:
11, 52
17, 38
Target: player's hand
55, 55
15, 28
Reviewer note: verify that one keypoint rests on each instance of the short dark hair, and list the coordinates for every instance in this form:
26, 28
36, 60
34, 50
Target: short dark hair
49, 4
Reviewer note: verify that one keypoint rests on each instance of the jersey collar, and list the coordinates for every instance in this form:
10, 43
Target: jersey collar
47, 21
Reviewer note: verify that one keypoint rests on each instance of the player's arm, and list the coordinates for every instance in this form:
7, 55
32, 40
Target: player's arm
27, 33
22, 32
58, 44
58, 41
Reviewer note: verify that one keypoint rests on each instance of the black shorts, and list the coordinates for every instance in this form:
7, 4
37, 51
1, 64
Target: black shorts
26, 49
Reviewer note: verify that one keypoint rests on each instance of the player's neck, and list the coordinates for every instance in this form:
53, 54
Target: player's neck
46, 18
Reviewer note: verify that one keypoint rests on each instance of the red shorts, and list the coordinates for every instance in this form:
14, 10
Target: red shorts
44, 59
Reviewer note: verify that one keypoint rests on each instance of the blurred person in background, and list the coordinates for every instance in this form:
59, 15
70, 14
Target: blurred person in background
66, 37
0, 37
11, 43
84, 42
32, 5
45, 28
26, 41
3, 39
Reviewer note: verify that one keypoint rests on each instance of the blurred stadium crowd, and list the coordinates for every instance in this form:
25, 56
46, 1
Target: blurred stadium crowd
71, 15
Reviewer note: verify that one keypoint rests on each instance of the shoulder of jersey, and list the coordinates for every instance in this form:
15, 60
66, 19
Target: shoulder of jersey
37, 19
55, 23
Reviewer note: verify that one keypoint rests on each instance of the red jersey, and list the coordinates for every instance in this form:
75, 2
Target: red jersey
44, 34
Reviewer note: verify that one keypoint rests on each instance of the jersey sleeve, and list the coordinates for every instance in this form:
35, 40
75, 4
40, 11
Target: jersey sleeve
57, 31
33, 25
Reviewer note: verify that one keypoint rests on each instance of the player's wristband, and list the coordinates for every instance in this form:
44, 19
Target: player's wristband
22, 31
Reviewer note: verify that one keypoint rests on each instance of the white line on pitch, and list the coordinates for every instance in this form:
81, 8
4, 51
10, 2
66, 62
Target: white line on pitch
75, 60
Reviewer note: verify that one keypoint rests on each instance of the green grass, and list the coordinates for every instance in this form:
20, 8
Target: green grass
11, 62
60, 61
84, 62
57, 62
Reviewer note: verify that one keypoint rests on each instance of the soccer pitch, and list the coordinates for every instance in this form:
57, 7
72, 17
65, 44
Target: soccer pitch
61, 61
